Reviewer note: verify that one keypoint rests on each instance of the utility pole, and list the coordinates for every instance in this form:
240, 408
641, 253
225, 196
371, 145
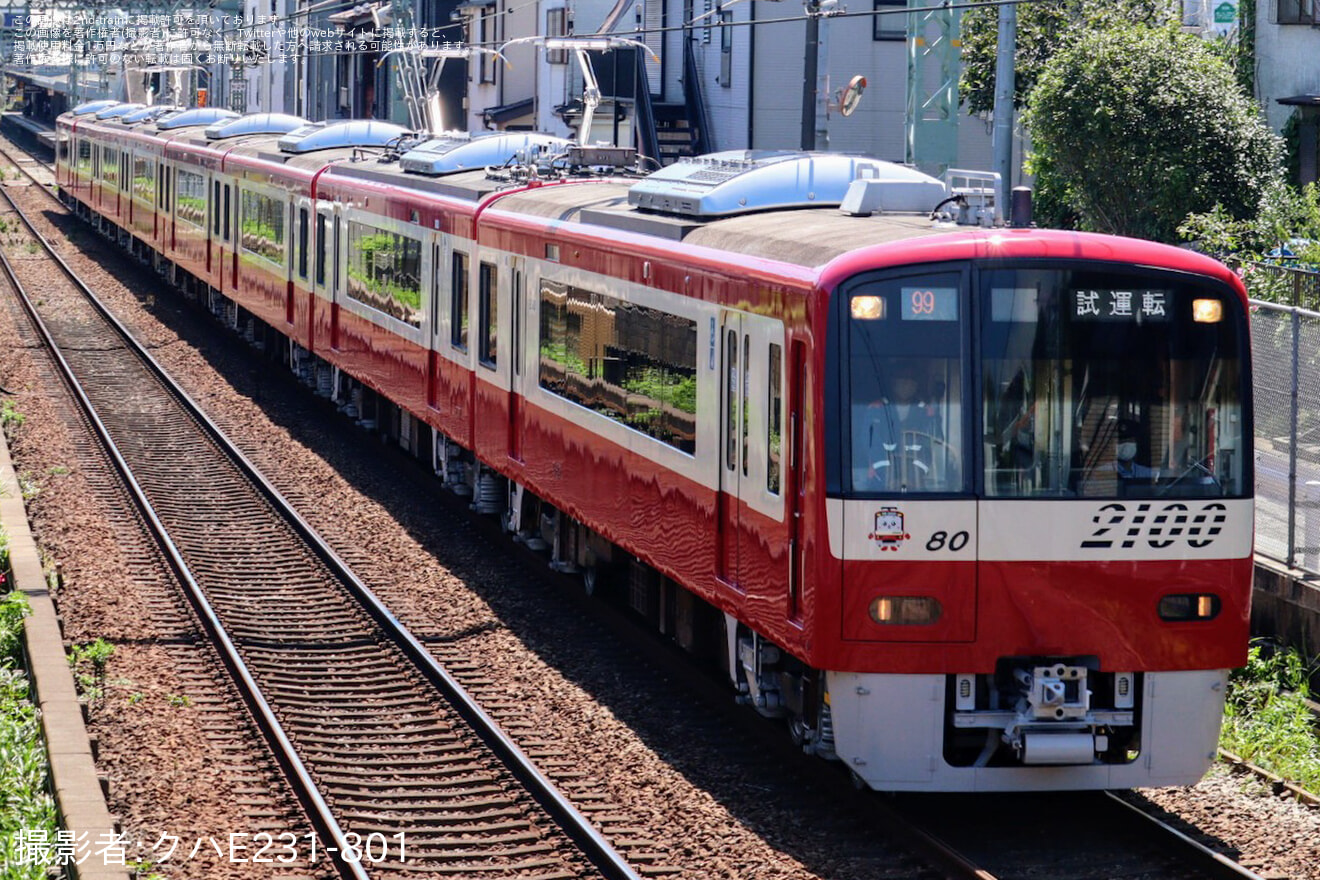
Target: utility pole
1005, 89
809, 68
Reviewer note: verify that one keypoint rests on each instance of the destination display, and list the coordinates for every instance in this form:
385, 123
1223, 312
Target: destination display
1139, 305
930, 303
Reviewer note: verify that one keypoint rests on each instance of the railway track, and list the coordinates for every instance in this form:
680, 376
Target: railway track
394, 777
943, 837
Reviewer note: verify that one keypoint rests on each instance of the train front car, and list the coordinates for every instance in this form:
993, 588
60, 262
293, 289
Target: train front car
1039, 503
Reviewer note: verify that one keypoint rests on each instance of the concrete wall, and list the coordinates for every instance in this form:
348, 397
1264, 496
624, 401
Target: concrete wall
1287, 62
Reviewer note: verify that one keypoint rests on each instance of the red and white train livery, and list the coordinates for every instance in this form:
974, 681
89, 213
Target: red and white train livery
971, 508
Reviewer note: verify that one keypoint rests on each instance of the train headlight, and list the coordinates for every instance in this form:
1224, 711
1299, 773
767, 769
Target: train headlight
868, 308
1189, 606
905, 610
1207, 311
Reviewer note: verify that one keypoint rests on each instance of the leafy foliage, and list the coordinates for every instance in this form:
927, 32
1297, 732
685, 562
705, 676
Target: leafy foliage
25, 804
1043, 29
1285, 216
1137, 127
88, 662
13, 608
1266, 719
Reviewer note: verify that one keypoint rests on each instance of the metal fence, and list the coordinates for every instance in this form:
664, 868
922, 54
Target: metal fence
1286, 364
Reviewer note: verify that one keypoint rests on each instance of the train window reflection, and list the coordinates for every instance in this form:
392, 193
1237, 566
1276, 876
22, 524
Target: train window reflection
1096, 385
630, 363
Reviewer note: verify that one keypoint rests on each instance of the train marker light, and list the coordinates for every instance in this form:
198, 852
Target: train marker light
1189, 606
964, 697
1124, 695
905, 610
1207, 311
868, 308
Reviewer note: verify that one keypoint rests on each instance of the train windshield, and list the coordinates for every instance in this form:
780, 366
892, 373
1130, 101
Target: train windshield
1080, 383
1102, 385
905, 385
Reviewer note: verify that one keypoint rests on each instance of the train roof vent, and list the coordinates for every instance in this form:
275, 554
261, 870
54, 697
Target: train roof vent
118, 110
255, 123
329, 135
93, 106
741, 181
196, 116
147, 114
459, 151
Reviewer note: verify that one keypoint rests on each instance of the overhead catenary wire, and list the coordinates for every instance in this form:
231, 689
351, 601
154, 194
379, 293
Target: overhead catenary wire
635, 33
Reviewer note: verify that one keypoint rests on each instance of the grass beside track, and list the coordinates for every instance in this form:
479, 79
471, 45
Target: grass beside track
27, 812
1267, 720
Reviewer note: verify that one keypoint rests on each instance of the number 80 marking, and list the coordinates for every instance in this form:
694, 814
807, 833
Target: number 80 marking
955, 542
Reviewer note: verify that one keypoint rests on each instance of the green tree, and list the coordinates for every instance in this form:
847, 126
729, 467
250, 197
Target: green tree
1135, 127
1043, 28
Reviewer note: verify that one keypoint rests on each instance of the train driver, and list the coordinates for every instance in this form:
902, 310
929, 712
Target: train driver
1130, 470
894, 437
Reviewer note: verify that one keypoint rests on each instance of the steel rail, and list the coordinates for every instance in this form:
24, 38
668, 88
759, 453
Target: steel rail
300, 779
1214, 864
571, 820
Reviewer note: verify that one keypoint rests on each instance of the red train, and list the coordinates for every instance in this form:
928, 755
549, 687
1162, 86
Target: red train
969, 506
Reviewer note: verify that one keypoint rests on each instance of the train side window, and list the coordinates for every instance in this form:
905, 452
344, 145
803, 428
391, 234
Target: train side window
774, 419
458, 311
303, 229
228, 211
747, 376
215, 210
190, 199
486, 343
385, 271
335, 256
731, 398
436, 286
320, 249
626, 362
160, 183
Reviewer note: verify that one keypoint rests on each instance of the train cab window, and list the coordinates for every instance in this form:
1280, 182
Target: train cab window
903, 385
458, 309
1103, 385
303, 229
486, 314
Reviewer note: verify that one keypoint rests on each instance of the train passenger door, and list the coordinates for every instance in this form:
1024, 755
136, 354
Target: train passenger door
517, 372
732, 429
754, 519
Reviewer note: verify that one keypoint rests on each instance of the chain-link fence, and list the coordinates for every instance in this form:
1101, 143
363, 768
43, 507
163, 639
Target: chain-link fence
1286, 365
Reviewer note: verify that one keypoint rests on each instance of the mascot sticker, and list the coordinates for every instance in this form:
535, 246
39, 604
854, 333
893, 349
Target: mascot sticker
889, 532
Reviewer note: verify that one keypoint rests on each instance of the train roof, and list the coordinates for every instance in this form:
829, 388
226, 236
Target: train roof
802, 236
